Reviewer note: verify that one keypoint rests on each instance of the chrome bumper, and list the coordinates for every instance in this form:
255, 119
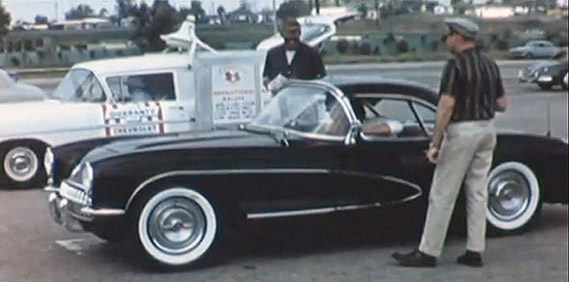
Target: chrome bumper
526, 77
68, 208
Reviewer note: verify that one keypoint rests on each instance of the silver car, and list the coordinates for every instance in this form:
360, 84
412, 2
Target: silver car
535, 49
14, 91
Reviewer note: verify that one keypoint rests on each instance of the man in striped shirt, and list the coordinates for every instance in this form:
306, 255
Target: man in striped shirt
461, 146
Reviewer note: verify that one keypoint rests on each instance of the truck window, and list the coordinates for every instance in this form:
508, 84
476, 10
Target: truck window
142, 88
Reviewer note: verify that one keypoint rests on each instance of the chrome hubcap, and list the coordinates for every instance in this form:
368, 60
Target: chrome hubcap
21, 164
176, 225
509, 195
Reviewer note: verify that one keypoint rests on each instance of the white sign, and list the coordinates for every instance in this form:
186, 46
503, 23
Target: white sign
233, 93
130, 119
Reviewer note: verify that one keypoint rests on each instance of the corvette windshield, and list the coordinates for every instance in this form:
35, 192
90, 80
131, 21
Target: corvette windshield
304, 109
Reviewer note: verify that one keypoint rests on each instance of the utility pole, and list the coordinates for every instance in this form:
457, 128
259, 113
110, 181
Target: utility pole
275, 17
56, 10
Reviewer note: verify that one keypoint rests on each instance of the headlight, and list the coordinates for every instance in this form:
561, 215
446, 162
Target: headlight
48, 160
83, 176
546, 69
545, 78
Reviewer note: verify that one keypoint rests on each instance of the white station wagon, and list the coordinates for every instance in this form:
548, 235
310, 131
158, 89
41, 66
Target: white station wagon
143, 95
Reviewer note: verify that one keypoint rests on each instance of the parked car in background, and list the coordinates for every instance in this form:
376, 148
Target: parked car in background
546, 74
135, 96
315, 30
12, 91
320, 147
535, 49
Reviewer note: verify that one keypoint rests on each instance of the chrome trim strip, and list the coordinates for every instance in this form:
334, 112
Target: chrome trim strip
222, 171
340, 97
102, 212
284, 171
317, 211
399, 97
392, 179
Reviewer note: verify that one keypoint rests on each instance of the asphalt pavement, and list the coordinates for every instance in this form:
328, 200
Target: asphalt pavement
349, 247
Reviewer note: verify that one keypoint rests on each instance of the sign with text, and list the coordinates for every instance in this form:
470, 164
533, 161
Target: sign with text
233, 93
129, 119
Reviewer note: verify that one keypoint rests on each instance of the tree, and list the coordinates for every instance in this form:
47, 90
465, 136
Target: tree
103, 13
244, 4
126, 8
82, 11
39, 19
376, 8
458, 6
163, 21
363, 10
197, 10
293, 8
5, 19
221, 14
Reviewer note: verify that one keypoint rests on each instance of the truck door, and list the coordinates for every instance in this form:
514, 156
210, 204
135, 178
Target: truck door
146, 104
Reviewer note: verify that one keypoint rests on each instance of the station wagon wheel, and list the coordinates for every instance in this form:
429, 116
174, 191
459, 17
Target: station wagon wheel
22, 166
513, 197
176, 226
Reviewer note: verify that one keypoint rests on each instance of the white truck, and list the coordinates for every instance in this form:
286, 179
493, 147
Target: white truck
143, 95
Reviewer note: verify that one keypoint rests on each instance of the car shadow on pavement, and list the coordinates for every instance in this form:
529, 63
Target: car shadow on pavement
313, 235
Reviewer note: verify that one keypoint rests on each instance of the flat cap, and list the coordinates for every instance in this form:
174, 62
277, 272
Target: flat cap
463, 26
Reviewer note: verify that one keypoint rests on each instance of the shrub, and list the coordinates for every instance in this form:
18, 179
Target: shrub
217, 45
356, 47
342, 46
365, 48
435, 45
481, 44
402, 47
376, 50
502, 44
389, 38
493, 37
15, 62
507, 34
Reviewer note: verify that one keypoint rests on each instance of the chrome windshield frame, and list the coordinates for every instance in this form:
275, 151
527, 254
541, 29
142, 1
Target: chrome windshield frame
354, 123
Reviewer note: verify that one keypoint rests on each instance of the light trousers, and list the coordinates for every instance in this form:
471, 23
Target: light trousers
465, 159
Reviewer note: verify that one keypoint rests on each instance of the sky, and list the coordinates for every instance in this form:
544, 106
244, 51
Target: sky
55, 9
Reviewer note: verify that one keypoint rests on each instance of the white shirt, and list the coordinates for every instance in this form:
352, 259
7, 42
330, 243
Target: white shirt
290, 55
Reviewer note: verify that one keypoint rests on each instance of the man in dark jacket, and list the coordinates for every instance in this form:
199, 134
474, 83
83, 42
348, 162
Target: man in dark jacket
293, 59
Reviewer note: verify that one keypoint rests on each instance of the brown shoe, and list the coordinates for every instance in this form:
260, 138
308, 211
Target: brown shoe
415, 258
470, 258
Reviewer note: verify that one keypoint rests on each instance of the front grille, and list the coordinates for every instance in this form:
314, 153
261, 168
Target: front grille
75, 195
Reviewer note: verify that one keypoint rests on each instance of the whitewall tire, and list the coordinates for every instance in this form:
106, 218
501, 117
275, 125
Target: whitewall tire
21, 166
513, 197
176, 226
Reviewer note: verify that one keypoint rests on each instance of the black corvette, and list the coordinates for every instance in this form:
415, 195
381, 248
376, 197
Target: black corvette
317, 148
